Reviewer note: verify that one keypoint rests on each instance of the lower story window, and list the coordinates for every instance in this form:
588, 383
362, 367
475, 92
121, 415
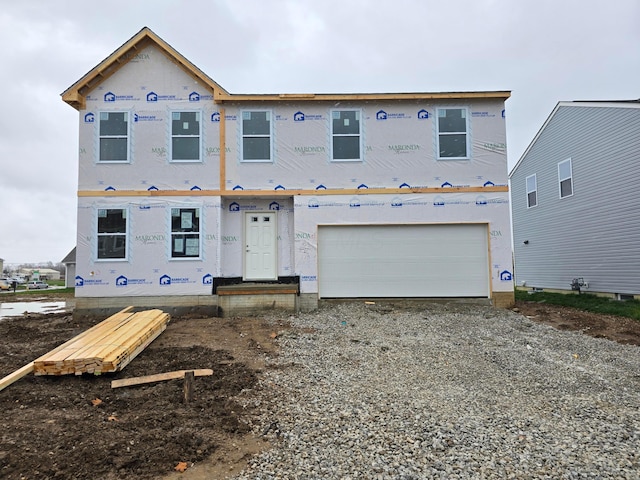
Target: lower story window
112, 233
185, 233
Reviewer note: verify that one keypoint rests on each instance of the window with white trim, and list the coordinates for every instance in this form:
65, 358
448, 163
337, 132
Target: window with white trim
256, 136
346, 135
565, 178
532, 191
114, 136
185, 136
185, 232
112, 234
453, 134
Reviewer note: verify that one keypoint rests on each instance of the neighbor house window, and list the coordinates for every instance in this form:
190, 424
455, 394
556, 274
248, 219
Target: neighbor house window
256, 136
532, 191
453, 133
112, 234
114, 136
346, 134
565, 178
185, 233
185, 136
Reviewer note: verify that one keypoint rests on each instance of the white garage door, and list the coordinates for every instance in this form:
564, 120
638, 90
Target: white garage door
403, 261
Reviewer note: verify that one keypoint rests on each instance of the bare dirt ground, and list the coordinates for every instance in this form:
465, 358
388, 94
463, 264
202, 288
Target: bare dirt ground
79, 427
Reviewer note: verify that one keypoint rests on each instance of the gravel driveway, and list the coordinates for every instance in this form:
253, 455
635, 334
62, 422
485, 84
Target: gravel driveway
445, 391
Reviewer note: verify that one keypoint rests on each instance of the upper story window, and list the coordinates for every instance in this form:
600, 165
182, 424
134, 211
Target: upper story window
114, 136
532, 191
453, 134
565, 178
185, 232
346, 135
256, 136
185, 136
112, 234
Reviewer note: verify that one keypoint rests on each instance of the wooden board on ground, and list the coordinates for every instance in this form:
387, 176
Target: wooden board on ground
127, 382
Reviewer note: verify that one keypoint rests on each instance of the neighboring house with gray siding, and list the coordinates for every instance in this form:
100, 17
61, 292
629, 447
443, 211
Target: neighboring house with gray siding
576, 203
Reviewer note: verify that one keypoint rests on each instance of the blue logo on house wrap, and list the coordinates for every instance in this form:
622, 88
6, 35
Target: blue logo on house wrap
165, 280
354, 203
423, 114
321, 187
89, 118
207, 279
381, 115
481, 200
446, 185
279, 187
121, 281
109, 97
489, 183
234, 207
194, 97
110, 189
152, 97
313, 203
396, 202
215, 117
438, 201
362, 186
274, 206
79, 281
238, 187
506, 276
298, 117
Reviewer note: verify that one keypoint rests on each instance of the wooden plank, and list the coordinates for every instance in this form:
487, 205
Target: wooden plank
15, 376
127, 382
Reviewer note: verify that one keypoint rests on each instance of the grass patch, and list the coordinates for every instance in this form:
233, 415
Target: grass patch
586, 302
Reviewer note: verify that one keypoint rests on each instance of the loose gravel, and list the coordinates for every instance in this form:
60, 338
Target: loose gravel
390, 391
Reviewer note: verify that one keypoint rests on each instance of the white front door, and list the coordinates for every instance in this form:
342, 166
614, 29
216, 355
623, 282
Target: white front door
260, 235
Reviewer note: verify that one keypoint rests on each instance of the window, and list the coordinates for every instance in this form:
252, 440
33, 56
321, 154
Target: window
346, 134
532, 191
114, 136
185, 233
256, 136
112, 234
185, 136
452, 134
565, 178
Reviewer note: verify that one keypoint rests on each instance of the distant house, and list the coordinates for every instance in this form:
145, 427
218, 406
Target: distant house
185, 188
576, 201
69, 263
39, 273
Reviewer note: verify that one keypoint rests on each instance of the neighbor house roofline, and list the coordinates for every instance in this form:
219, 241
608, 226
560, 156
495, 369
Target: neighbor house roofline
76, 94
575, 103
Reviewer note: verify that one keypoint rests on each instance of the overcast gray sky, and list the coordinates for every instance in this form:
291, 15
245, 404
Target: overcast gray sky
544, 51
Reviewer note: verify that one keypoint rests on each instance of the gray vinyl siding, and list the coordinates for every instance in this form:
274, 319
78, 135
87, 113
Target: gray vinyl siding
594, 234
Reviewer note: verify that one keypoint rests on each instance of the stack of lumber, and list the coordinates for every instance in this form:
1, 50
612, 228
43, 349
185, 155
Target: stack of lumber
107, 347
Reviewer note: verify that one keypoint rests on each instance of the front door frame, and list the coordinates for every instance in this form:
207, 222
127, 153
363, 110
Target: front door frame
273, 249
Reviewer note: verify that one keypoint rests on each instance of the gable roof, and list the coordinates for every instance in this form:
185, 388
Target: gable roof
71, 257
576, 104
76, 94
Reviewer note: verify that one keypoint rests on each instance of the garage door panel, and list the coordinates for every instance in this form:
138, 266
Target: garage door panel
403, 261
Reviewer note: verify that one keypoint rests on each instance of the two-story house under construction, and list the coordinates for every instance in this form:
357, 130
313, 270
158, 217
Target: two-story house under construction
186, 189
